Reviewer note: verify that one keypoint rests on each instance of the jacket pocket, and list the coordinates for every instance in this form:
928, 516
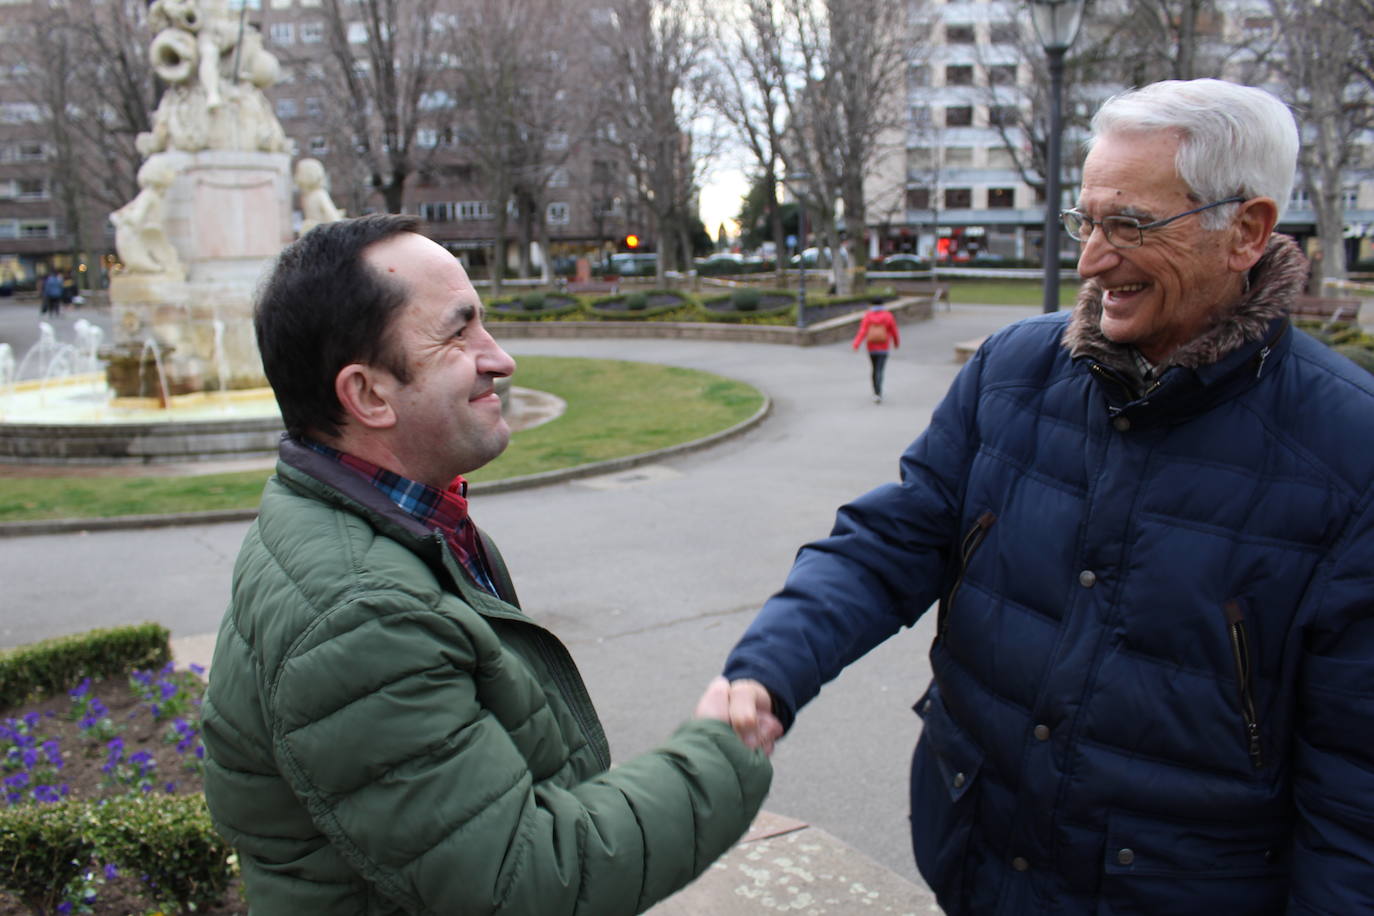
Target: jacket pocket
973, 539
944, 800
1243, 654
1151, 865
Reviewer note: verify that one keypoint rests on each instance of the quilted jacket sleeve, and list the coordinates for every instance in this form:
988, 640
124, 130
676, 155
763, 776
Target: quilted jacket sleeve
441, 778
879, 569
1333, 856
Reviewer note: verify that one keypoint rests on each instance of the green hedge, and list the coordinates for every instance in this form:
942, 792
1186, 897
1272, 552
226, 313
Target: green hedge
167, 840
54, 665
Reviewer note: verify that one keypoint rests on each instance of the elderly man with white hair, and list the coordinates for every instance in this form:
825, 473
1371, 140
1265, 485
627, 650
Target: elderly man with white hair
1149, 528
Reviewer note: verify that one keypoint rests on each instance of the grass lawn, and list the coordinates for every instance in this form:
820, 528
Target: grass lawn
1005, 292
615, 409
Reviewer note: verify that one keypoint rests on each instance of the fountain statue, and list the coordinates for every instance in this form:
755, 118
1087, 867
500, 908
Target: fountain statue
214, 207
316, 205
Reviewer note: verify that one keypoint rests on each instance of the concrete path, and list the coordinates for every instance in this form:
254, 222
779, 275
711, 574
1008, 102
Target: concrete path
649, 575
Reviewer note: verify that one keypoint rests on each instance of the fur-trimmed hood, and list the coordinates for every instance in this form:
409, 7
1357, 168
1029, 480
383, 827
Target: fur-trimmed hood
1275, 281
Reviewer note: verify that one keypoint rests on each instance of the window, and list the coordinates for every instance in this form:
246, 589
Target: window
958, 198
999, 157
314, 107
31, 189
559, 178
557, 140
1001, 198
475, 209
603, 172
1258, 23
920, 115
959, 155
426, 137
959, 116
30, 152
959, 75
1002, 33
9, 229
920, 75
1002, 75
919, 158
281, 4
36, 229
286, 108
357, 33
959, 34
312, 32
282, 33
437, 211
318, 146
19, 113
918, 198
1003, 115
557, 214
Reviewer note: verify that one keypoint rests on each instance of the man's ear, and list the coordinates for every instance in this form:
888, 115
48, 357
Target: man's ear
1254, 224
364, 392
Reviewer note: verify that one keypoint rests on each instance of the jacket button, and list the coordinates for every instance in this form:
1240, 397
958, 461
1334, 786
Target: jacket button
1087, 578
959, 780
1020, 864
1122, 424
1125, 856
1042, 732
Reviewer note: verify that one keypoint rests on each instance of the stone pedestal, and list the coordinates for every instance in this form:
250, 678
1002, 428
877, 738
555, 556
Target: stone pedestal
228, 216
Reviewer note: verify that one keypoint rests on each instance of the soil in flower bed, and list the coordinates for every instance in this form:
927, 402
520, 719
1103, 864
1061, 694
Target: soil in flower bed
652, 301
85, 755
767, 303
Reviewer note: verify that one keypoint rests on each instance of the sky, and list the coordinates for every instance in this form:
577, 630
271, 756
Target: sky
720, 199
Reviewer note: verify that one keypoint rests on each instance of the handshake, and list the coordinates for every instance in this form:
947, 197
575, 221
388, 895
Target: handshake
748, 708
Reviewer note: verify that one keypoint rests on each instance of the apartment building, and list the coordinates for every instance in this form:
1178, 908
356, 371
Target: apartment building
965, 194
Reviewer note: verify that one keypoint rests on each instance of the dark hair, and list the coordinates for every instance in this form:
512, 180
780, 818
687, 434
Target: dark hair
322, 308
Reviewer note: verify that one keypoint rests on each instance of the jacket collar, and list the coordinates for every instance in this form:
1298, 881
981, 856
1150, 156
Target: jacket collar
1274, 282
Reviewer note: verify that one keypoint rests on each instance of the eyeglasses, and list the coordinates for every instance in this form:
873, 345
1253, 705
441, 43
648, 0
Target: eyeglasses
1125, 231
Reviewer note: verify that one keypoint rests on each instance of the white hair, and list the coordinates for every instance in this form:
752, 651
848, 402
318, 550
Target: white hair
1233, 140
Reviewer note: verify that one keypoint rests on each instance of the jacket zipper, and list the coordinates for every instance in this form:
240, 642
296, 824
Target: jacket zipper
967, 547
1240, 651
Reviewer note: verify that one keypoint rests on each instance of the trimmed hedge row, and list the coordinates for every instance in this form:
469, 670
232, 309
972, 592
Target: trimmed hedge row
54, 665
588, 307
169, 840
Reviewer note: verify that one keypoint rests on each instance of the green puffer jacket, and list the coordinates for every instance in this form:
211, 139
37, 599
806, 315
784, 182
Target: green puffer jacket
383, 736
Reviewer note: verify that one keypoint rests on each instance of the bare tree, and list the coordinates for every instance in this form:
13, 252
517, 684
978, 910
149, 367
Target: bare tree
1319, 63
660, 48
85, 69
852, 57
750, 92
381, 81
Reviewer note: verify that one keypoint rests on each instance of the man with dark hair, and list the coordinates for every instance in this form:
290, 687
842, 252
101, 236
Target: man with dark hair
386, 730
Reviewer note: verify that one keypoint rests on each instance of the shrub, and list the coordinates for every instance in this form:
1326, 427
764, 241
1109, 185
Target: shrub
54, 665
1360, 356
746, 299
637, 301
170, 841
532, 302
44, 848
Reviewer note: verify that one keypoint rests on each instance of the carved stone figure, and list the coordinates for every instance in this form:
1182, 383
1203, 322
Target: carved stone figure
140, 225
217, 68
316, 205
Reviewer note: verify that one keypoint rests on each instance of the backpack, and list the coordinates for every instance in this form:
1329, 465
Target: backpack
877, 333
52, 286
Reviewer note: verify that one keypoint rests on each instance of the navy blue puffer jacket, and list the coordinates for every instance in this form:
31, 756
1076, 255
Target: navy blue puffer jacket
1154, 670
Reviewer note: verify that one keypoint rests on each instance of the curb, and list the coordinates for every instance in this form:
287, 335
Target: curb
529, 481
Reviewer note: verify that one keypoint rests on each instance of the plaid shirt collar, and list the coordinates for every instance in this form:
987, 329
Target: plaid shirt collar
445, 511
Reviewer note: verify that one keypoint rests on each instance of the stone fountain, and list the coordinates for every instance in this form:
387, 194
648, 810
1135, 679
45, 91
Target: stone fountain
213, 210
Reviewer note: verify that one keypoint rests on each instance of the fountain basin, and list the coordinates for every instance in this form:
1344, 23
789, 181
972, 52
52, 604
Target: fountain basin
74, 421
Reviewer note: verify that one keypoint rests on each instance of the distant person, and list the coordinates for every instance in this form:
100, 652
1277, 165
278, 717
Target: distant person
878, 330
386, 729
51, 290
1147, 530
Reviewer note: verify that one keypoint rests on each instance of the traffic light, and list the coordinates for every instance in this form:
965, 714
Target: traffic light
632, 242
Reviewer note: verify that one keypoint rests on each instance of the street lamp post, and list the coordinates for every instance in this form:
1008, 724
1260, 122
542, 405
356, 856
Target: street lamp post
795, 180
1056, 25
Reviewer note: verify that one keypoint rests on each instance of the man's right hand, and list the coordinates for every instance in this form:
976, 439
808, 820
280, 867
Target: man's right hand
751, 715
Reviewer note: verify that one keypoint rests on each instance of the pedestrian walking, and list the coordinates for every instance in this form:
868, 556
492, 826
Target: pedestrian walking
879, 331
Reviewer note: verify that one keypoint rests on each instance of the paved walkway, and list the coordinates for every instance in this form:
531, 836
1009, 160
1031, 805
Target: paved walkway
650, 575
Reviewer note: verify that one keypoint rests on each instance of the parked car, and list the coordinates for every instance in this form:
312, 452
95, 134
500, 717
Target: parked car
903, 260
634, 264
815, 257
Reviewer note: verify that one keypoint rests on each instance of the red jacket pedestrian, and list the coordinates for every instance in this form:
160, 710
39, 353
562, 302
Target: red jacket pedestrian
879, 330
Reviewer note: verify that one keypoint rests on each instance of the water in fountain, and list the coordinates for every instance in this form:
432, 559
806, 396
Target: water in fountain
150, 347
88, 338
221, 362
39, 357
6, 364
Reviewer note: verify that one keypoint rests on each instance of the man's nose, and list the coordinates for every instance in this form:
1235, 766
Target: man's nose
1096, 255
495, 361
